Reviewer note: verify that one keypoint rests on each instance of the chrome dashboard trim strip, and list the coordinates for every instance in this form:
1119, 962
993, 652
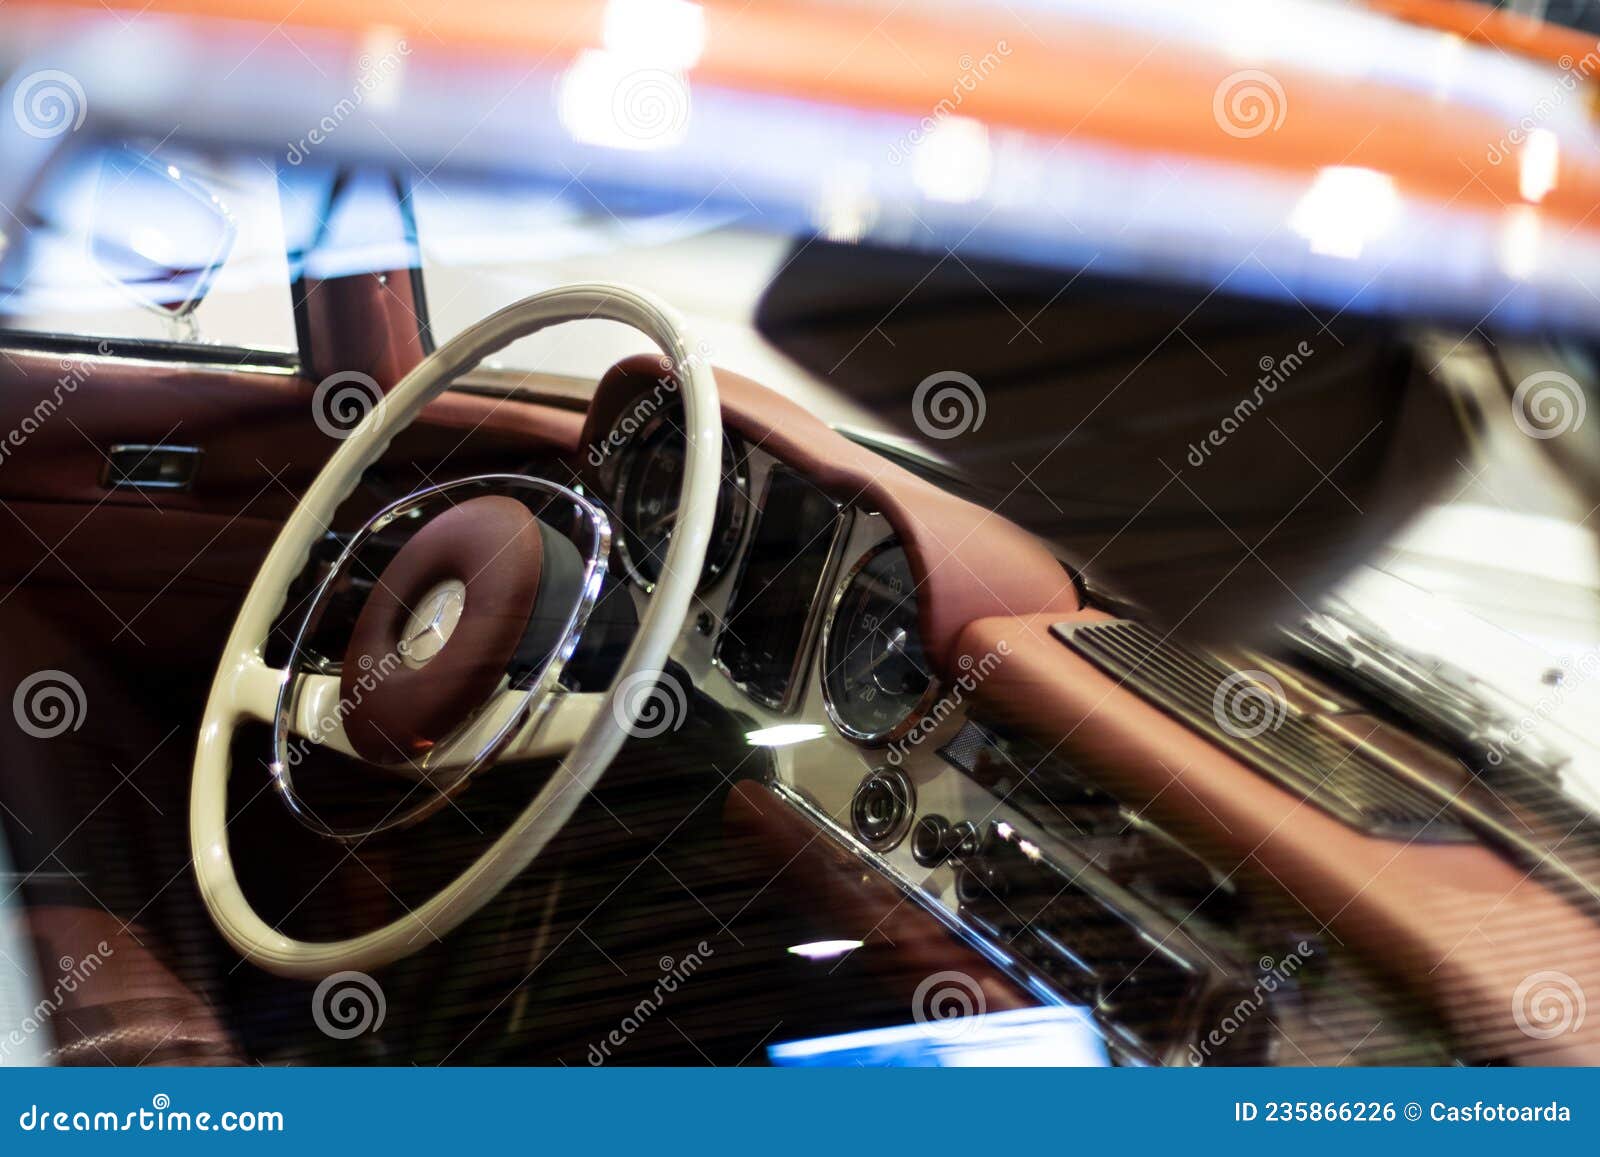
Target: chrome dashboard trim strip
844, 519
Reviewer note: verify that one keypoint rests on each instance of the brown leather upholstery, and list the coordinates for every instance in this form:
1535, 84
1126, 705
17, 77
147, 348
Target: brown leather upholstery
492, 545
1457, 925
107, 1000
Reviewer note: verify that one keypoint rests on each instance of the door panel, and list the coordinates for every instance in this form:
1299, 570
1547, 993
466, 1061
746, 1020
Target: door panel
161, 571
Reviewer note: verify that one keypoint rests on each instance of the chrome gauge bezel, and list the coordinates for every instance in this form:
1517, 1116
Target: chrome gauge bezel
923, 705
724, 550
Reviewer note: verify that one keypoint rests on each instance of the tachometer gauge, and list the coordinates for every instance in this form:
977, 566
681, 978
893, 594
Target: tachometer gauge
646, 501
876, 681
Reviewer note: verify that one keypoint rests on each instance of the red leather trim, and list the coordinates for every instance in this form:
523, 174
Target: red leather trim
968, 562
150, 556
1458, 926
365, 323
113, 1002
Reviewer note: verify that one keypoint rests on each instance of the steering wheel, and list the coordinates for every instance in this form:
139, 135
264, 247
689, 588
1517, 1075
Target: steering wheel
477, 572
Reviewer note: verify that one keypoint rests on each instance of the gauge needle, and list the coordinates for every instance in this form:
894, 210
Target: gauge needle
895, 646
665, 518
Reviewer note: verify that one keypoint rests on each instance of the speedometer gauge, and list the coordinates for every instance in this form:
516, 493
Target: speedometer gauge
875, 680
646, 501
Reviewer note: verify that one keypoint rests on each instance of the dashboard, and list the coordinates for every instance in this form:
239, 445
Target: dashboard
818, 626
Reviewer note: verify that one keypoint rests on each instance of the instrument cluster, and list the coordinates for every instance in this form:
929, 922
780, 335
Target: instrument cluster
785, 571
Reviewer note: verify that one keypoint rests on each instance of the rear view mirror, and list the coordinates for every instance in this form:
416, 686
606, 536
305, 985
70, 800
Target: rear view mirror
158, 233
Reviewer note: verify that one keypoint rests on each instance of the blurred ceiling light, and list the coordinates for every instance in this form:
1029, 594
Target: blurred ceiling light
1345, 208
784, 734
613, 99
1518, 243
845, 208
1538, 165
824, 949
1249, 29
952, 162
381, 63
1449, 57
665, 33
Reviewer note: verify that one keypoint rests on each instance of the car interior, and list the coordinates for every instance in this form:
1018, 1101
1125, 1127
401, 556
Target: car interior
381, 696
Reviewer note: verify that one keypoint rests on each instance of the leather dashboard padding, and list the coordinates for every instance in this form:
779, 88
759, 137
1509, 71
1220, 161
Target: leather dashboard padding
968, 562
903, 944
493, 545
1458, 926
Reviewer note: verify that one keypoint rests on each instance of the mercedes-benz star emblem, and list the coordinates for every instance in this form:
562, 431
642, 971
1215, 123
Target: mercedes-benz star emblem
432, 623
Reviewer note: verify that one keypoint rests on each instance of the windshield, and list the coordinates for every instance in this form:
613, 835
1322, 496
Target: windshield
485, 245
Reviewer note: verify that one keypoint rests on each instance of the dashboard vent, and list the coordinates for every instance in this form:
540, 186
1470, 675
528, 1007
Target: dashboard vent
1245, 713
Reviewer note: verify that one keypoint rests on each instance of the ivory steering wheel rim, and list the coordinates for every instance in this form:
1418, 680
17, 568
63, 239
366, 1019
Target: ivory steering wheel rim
242, 676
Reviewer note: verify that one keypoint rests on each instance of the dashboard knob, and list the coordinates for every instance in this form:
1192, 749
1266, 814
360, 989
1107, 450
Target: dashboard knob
979, 883
929, 841
935, 840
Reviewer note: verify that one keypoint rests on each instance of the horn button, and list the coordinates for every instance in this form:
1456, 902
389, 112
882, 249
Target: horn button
443, 621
